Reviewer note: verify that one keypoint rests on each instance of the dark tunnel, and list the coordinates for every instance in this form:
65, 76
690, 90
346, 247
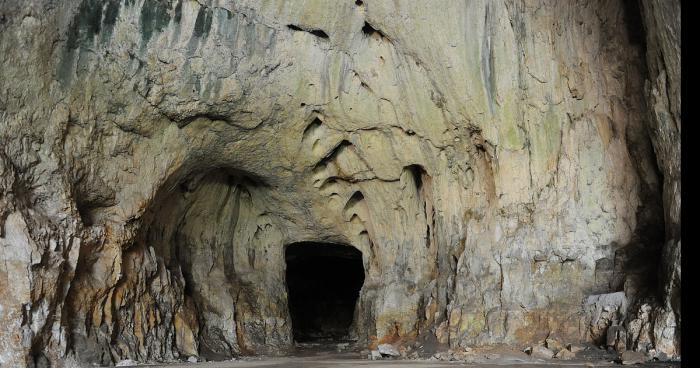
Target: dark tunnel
323, 283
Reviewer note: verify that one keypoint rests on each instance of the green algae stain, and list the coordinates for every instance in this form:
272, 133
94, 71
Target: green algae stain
511, 136
551, 132
546, 141
85, 25
111, 13
155, 16
94, 17
178, 12
202, 25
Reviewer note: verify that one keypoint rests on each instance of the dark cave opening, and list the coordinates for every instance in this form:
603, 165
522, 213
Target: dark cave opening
323, 283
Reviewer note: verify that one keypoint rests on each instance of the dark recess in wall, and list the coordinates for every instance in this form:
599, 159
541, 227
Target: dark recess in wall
635, 26
368, 30
316, 32
323, 283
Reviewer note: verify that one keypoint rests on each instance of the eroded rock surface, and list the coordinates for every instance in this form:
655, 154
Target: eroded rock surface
510, 171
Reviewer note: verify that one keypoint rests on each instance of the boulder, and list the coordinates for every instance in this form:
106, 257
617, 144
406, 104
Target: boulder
388, 350
542, 352
564, 354
630, 357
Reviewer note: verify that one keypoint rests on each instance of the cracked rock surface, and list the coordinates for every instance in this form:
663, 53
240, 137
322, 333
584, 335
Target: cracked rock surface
509, 169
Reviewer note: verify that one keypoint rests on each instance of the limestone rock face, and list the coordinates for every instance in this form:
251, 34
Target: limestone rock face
663, 94
509, 170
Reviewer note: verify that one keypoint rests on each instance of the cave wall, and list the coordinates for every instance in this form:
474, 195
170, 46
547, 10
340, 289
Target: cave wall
663, 95
499, 164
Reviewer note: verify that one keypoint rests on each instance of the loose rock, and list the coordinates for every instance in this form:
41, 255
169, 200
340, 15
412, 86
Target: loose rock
553, 344
564, 354
575, 348
542, 352
630, 357
388, 350
127, 363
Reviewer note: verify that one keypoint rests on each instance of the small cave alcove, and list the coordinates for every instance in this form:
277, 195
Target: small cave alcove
323, 283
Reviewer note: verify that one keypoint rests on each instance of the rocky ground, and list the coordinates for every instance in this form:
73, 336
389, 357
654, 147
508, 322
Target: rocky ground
344, 362
342, 355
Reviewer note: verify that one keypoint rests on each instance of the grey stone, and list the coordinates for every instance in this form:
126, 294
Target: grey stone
575, 348
631, 357
126, 363
388, 350
565, 354
542, 352
617, 337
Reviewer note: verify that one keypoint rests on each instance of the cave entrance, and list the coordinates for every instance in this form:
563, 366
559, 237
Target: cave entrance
323, 284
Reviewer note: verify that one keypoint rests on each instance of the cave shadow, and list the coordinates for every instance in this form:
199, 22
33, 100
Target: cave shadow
323, 283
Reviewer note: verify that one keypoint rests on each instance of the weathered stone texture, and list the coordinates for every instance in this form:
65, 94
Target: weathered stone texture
662, 20
502, 166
